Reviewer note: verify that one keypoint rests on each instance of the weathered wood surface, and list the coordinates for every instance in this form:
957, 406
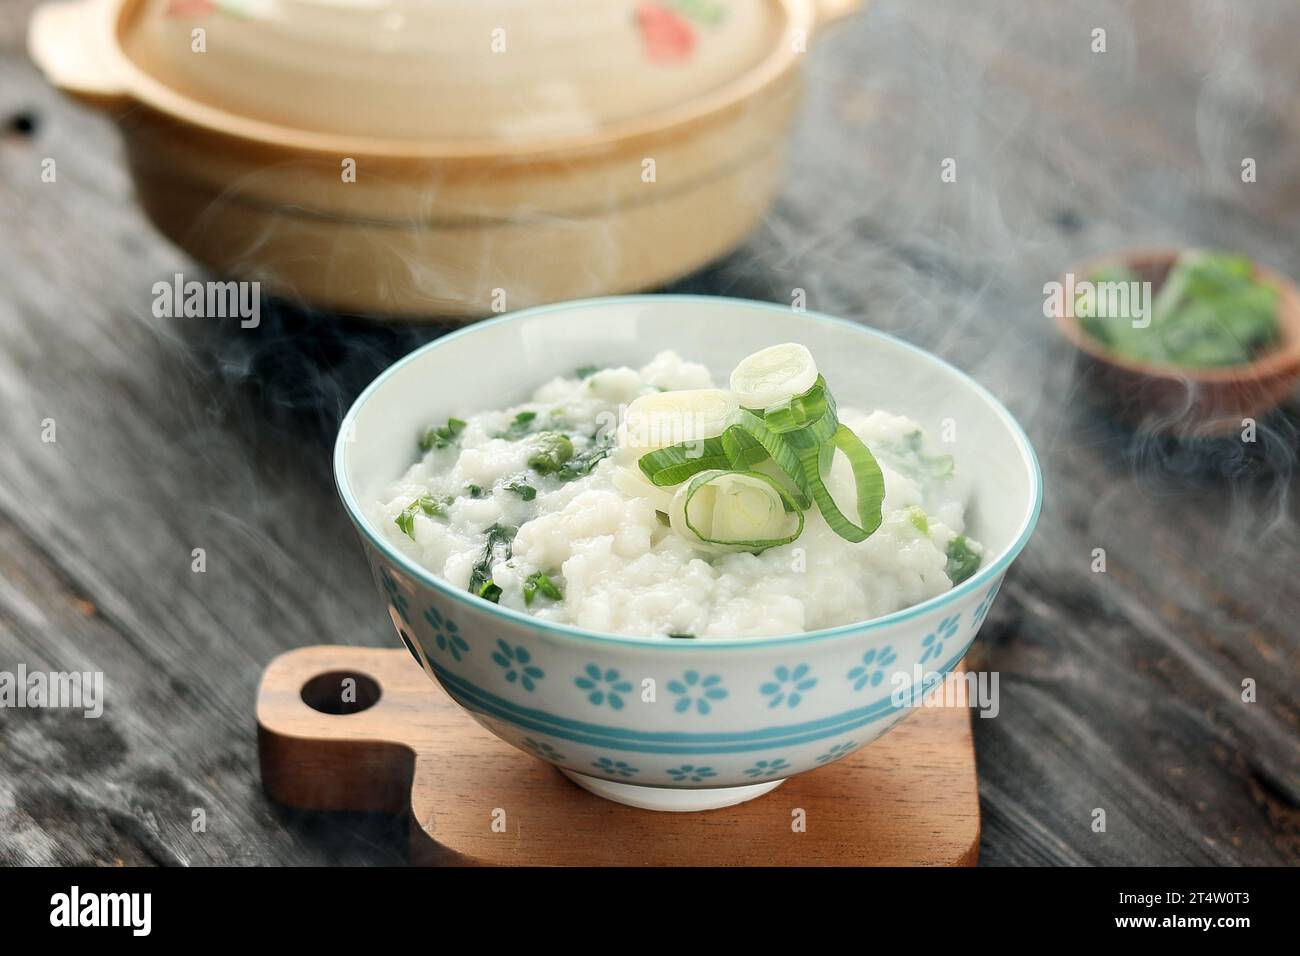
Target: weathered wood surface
1120, 691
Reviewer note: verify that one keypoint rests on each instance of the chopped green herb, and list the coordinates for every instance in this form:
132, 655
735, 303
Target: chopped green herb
1209, 311
538, 583
523, 490
435, 506
550, 451
918, 517
962, 560
497, 548
938, 467
586, 371
683, 636
933, 467
520, 427
442, 435
475, 491
580, 465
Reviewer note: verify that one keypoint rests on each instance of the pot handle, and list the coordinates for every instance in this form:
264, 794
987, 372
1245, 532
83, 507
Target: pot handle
68, 40
829, 11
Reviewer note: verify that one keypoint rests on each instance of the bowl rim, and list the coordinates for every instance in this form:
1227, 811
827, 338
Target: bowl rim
975, 582
144, 88
1282, 360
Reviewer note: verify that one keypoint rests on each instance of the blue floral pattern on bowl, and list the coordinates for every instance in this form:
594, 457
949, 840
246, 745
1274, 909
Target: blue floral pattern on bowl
872, 669
933, 642
541, 749
982, 609
837, 751
612, 767
446, 634
517, 663
790, 686
396, 599
691, 773
594, 700
697, 690
602, 686
768, 768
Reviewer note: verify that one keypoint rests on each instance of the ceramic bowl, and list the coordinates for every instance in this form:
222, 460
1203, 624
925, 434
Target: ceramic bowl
407, 159
680, 724
1181, 401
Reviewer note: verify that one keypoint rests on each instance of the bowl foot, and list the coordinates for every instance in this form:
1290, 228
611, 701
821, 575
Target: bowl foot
670, 799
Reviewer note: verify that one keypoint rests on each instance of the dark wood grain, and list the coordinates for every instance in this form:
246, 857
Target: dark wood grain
1120, 690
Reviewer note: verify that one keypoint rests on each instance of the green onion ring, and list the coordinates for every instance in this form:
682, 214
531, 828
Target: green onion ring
801, 437
676, 463
867, 480
704, 478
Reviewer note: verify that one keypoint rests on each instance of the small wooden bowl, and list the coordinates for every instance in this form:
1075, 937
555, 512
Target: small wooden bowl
1186, 401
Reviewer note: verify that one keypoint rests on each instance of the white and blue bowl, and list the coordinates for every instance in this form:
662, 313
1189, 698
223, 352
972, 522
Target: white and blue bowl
727, 720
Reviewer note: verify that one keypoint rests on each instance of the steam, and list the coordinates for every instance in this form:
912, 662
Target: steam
1060, 153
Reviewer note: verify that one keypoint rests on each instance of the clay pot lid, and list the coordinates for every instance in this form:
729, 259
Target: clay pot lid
510, 71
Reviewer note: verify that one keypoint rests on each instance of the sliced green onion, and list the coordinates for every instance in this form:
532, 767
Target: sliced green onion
800, 410
803, 424
868, 482
676, 463
673, 418
744, 451
538, 583
773, 375
789, 450
799, 431
726, 511
634, 484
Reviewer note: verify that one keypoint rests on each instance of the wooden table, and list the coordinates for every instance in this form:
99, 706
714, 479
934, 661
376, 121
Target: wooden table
1120, 690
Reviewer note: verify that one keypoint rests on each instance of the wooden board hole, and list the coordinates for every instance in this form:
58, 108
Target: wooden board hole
340, 693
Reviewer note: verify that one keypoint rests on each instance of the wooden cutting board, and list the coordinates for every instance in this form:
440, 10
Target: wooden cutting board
910, 798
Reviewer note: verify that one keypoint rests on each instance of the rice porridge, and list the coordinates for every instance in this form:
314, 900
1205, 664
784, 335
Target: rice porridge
651, 501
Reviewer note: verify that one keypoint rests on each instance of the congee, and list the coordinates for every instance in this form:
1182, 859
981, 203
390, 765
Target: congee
651, 501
